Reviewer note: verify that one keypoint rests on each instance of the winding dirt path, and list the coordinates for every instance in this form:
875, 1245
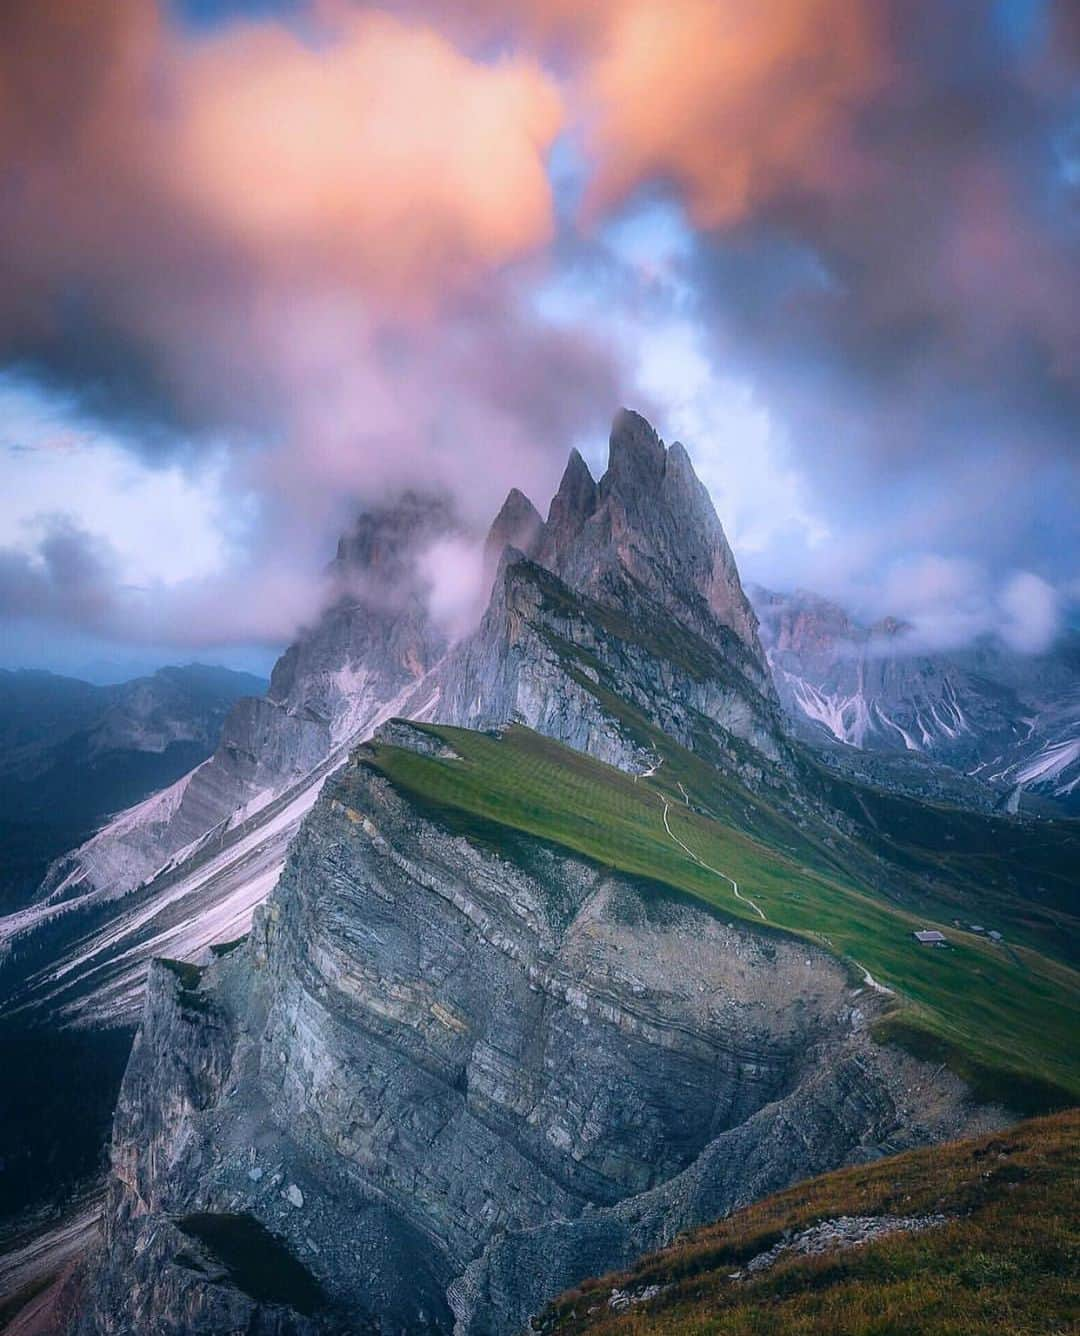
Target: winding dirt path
708, 868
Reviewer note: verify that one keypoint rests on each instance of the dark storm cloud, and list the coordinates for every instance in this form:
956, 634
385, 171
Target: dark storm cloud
213, 229
186, 214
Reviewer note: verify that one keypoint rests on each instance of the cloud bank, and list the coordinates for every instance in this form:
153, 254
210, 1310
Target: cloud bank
320, 253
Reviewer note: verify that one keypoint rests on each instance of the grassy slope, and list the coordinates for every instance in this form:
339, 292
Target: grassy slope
1007, 1022
1006, 1263
933, 858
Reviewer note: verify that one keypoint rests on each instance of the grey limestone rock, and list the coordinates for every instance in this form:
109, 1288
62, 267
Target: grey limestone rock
630, 591
1004, 721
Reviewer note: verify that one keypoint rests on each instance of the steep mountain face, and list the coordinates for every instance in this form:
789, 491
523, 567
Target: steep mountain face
648, 529
457, 1067
72, 753
947, 1239
1009, 720
376, 638
518, 525
463, 1061
628, 593
451, 1080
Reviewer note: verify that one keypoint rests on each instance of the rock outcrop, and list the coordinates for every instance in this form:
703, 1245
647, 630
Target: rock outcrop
449, 1082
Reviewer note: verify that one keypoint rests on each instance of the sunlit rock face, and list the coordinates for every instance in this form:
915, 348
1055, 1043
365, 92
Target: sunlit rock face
453, 1081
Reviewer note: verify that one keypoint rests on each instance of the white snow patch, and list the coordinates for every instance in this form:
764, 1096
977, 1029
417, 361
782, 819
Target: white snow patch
1050, 762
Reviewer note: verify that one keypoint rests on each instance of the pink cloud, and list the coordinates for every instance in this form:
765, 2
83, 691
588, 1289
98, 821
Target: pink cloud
383, 155
732, 103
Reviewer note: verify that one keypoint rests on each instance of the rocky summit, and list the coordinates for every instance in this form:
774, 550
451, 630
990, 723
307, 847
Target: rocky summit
628, 594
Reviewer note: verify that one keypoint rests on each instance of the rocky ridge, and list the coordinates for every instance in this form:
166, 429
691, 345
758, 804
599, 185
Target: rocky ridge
451, 1081
452, 1077
373, 641
628, 592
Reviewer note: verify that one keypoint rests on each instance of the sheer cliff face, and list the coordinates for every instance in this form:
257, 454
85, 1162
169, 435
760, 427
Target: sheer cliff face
453, 1081
451, 1074
369, 646
634, 571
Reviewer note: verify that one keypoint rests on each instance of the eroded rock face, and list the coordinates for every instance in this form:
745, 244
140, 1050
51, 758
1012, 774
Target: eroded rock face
556, 661
486, 1075
1006, 720
650, 527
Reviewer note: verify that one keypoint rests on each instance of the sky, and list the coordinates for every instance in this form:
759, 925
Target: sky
263, 264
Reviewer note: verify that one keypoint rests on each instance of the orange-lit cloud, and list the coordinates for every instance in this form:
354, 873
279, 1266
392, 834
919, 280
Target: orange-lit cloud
731, 102
384, 153
377, 155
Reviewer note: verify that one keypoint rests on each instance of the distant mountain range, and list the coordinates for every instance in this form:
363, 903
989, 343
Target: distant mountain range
72, 754
1009, 720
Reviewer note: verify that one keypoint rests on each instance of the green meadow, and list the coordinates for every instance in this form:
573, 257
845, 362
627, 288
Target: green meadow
1007, 1020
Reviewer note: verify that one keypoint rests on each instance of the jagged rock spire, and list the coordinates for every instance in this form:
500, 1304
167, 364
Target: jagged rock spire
518, 524
648, 526
650, 518
636, 456
384, 540
571, 506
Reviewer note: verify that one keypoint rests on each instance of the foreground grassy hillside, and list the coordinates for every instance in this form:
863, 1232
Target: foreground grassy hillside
1005, 1258
1005, 1019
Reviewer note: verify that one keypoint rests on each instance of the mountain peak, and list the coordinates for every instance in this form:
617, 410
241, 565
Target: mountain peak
518, 524
636, 454
571, 508
384, 540
650, 519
